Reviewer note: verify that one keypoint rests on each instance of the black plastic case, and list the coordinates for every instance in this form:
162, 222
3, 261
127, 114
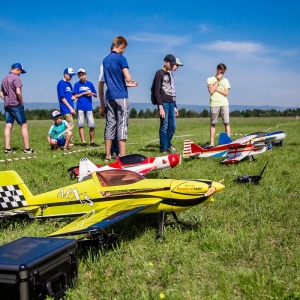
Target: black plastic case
33, 267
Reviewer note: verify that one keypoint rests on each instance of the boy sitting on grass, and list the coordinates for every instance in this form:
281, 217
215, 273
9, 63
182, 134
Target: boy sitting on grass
60, 132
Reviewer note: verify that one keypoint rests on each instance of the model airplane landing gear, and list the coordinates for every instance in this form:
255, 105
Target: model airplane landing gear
97, 240
251, 158
162, 221
161, 224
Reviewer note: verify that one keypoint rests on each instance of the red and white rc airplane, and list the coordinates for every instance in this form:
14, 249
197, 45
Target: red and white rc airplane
233, 151
133, 162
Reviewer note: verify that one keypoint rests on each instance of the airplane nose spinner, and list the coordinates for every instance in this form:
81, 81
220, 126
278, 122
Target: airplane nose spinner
174, 160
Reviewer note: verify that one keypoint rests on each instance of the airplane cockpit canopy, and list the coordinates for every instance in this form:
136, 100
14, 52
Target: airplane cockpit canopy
118, 177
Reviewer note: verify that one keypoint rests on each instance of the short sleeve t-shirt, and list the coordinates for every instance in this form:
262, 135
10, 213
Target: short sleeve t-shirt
217, 99
84, 102
9, 85
55, 130
65, 90
113, 65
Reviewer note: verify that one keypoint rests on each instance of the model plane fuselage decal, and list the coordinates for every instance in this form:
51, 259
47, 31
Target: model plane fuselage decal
74, 195
11, 197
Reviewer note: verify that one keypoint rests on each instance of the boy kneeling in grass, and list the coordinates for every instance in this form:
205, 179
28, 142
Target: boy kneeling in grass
60, 132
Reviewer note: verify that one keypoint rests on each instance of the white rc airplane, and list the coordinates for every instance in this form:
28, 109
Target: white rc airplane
133, 162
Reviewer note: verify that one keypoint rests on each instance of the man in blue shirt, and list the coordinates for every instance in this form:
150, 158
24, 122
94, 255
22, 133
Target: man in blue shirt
117, 78
83, 92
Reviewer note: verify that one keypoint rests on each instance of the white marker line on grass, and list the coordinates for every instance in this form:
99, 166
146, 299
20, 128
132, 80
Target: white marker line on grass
16, 159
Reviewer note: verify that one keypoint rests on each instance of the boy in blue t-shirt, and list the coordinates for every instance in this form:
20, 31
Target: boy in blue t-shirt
60, 132
83, 91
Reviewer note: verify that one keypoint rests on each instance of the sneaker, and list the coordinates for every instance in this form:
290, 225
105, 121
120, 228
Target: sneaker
207, 146
84, 144
172, 148
29, 151
166, 152
71, 145
114, 155
9, 151
94, 145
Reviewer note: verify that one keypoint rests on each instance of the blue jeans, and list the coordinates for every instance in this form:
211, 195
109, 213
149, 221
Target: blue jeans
167, 126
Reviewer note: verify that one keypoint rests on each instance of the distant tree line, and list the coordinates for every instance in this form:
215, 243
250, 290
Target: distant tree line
45, 114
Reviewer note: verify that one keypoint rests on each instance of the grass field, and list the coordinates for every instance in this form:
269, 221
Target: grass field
245, 245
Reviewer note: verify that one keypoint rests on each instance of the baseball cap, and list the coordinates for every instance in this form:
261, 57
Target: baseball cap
178, 62
81, 71
171, 59
18, 66
56, 113
69, 71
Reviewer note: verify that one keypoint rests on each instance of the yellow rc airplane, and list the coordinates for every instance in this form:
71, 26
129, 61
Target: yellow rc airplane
104, 199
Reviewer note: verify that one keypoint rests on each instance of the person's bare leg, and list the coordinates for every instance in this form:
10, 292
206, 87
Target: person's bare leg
81, 134
68, 139
227, 129
107, 148
25, 136
122, 147
7, 133
92, 135
212, 134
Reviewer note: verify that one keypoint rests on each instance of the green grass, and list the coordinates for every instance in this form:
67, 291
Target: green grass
245, 245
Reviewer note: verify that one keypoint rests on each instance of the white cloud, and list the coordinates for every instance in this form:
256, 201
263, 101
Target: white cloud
170, 40
244, 48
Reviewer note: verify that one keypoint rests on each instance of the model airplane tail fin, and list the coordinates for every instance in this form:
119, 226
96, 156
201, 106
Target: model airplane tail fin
86, 167
191, 149
14, 194
224, 139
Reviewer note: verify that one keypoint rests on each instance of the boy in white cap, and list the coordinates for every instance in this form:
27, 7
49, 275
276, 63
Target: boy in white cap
60, 132
11, 88
84, 90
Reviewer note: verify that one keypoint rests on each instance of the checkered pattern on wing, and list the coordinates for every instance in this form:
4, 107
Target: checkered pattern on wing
11, 197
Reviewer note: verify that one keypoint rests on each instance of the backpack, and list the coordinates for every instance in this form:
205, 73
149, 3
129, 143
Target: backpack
152, 89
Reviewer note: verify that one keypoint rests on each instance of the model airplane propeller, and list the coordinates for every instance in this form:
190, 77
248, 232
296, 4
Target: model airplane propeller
105, 198
233, 151
133, 162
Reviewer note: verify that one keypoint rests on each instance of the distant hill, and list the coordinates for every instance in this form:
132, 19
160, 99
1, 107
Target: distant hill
144, 106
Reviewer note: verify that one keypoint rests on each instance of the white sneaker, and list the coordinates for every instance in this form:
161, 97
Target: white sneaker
9, 151
29, 151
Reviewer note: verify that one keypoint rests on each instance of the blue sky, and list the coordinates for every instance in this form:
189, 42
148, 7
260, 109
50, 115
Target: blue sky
259, 41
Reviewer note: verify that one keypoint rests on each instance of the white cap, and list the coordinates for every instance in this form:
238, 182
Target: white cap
178, 62
81, 71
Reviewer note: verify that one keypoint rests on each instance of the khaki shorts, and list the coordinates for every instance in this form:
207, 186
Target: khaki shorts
215, 112
70, 120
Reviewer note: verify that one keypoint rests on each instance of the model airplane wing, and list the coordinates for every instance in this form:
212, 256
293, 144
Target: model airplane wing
101, 218
241, 141
234, 157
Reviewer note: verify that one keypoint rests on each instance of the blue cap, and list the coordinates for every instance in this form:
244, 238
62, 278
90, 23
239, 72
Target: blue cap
69, 71
18, 66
